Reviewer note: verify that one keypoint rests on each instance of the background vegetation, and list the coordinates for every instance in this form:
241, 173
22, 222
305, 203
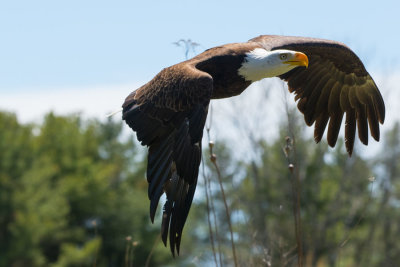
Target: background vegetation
73, 193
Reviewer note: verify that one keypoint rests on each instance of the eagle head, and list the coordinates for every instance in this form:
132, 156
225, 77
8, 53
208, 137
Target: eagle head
260, 63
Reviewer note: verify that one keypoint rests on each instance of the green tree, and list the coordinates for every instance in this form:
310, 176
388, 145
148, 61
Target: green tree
73, 193
16, 156
335, 202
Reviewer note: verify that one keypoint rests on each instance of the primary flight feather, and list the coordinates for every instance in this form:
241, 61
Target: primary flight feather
169, 112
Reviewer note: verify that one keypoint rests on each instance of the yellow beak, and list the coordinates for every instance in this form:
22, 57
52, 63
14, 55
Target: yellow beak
299, 59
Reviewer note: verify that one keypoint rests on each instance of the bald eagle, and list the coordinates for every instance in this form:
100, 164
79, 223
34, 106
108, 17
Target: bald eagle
169, 112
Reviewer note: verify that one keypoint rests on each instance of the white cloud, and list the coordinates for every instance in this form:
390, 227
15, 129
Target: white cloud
95, 101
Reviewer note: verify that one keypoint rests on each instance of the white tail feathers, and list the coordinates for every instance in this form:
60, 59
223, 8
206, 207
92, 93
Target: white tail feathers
114, 112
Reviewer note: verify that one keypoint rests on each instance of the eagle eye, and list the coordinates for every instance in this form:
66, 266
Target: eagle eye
283, 56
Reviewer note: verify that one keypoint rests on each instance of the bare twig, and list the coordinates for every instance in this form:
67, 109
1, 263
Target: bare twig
291, 156
215, 223
210, 193
134, 244
213, 159
208, 216
127, 250
188, 45
152, 250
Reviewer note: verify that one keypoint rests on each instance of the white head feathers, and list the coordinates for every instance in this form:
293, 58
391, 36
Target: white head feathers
260, 63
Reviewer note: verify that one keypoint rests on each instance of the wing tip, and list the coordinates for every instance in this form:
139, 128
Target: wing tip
153, 209
349, 152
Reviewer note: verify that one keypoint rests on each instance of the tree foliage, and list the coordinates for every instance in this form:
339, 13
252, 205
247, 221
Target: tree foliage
73, 193
349, 205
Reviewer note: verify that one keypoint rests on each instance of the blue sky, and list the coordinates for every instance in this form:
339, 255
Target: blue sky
48, 45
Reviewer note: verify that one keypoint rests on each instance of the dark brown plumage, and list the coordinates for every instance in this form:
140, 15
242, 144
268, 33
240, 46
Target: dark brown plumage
169, 112
335, 83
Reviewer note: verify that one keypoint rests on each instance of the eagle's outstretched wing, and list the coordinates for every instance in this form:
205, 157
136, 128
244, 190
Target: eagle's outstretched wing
335, 82
168, 115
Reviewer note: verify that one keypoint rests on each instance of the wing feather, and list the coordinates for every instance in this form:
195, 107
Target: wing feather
334, 126
362, 123
336, 82
320, 126
315, 97
168, 114
373, 121
350, 130
322, 104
